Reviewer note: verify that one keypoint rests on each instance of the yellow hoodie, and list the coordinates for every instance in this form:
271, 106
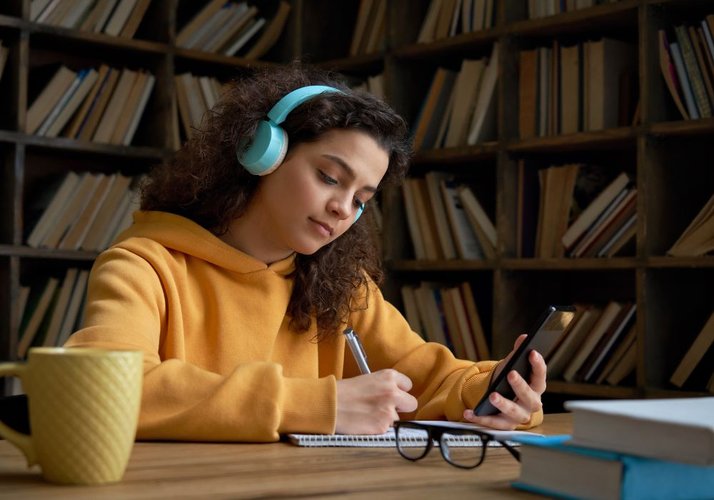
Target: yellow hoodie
221, 363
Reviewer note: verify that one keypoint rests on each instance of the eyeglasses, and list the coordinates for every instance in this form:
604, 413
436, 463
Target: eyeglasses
464, 448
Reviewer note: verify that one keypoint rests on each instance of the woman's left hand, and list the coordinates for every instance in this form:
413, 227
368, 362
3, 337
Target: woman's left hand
527, 400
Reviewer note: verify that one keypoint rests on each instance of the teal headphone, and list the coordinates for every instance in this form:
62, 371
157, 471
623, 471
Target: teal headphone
267, 150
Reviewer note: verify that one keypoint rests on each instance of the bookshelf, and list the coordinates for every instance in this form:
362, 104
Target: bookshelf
665, 155
31, 163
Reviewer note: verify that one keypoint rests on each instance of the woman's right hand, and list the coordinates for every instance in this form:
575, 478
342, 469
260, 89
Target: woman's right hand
369, 404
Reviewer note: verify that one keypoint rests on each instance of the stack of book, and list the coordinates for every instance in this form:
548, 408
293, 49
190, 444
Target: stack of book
576, 210
566, 89
226, 27
101, 105
445, 219
370, 31
598, 346
447, 314
51, 311
628, 449
112, 17
686, 56
447, 18
460, 106
85, 212
194, 96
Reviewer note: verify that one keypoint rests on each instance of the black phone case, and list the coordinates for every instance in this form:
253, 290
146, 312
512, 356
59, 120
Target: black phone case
545, 335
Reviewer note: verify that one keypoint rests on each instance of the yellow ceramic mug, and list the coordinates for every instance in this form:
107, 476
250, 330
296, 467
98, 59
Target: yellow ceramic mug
84, 407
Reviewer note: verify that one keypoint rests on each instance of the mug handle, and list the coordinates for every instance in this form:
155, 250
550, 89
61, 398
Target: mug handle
22, 441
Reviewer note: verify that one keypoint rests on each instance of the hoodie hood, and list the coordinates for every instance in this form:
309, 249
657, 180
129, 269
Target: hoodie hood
180, 234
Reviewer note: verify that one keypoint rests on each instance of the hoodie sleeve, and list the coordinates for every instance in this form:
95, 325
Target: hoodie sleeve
126, 309
443, 385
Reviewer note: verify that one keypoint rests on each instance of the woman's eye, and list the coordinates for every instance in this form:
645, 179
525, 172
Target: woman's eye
326, 178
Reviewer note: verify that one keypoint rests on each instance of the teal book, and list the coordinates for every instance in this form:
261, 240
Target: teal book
554, 467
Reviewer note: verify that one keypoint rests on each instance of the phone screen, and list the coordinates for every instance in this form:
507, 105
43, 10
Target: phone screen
543, 337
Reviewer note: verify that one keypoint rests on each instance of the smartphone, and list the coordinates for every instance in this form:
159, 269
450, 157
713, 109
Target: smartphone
543, 337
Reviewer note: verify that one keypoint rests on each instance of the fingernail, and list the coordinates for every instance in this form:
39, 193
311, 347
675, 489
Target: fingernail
495, 397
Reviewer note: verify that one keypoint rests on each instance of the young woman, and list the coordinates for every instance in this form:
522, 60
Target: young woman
237, 287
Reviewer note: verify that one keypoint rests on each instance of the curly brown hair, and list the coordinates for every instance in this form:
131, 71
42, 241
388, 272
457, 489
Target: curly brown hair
203, 181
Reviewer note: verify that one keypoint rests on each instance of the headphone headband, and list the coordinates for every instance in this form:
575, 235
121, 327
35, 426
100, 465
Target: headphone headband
269, 145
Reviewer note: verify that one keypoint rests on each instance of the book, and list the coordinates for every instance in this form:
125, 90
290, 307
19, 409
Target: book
480, 221
60, 307
608, 60
48, 98
134, 20
483, 121
465, 93
593, 210
99, 105
702, 342
680, 429
119, 17
54, 209
438, 208
482, 349
554, 466
271, 33
465, 238
4, 55
591, 339
433, 108
72, 316
115, 107
697, 238
417, 438
527, 93
203, 16
37, 308
86, 82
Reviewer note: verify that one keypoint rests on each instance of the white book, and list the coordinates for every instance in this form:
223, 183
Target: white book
119, 16
36, 8
484, 116
87, 79
139, 112
247, 35
677, 429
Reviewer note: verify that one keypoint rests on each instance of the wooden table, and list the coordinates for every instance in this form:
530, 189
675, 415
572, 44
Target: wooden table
209, 470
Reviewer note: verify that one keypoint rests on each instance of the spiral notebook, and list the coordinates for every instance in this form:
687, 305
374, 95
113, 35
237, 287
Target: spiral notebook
416, 438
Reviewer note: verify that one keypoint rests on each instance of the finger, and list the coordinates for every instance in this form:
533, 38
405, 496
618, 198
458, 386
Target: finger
510, 410
401, 380
407, 403
539, 371
519, 340
526, 397
493, 421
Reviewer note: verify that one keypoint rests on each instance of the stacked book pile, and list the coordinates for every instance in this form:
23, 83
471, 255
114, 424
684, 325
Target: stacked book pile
628, 449
85, 212
447, 314
446, 220
111, 17
460, 106
51, 311
447, 18
99, 105
226, 27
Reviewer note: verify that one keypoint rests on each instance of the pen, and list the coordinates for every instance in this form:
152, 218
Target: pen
357, 351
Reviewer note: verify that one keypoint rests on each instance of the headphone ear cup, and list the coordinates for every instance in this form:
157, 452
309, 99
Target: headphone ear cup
266, 151
359, 213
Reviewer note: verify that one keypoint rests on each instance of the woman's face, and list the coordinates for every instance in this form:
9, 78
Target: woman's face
315, 195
